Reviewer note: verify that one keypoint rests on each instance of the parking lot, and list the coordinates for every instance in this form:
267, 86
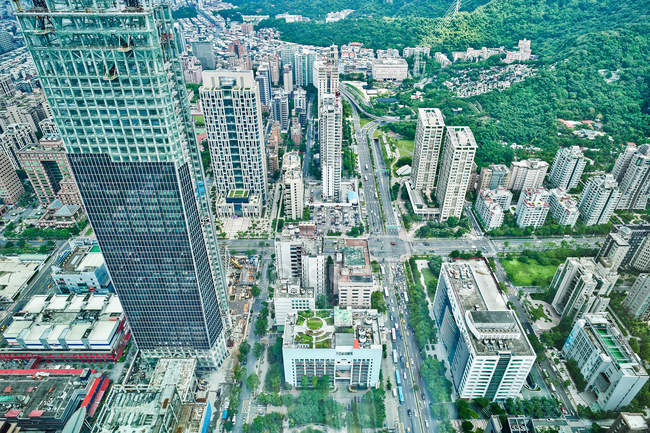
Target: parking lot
334, 218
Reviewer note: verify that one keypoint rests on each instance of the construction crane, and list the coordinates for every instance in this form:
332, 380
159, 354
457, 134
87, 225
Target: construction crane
235, 263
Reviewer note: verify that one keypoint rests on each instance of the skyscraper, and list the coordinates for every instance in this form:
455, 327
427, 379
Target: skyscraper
233, 120
457, 158
326, 77
567, 168
330, 134
294, 187
634, 180
280, 109
112, 75
599, 199
428, 140
637, 301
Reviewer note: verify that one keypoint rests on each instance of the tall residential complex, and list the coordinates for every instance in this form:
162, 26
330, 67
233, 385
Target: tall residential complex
493, 177
280, 109
428, 141
456, 163
294, 187
330, 135
581, 286
111, 73
532, 207
233, 122
599, 199
563, 208
567, 168
613, 372
634, 178
637, 301
10, 186
613, 251
299, 256
14, 138
526, 174
326, 77
491, 205
487, 349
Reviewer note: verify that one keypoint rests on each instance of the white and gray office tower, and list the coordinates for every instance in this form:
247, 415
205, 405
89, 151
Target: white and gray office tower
567, 168
233, 123
330, 134
487, 349
429, 133
613, 372
112, 75
599, 199
632, 172
456, 163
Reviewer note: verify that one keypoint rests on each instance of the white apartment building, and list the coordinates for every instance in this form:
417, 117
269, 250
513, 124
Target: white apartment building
300, 99
491, 205
14, 138
563, 208
634, 181
532, 207
326, 77
494, 176
353, 279
389, 69
330, 134
48, 127
527, 174
287, 79
641, 258
599, 199
428, 142
637, 301
581, 286
487, 349
567, 168
314, 272
233, 120
300, 257
289, 298
614, 373
456, 163
346, 346
294, 192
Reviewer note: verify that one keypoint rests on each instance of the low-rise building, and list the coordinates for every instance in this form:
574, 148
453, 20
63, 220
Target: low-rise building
353, 279
61, 216
628, 422
486, 346
613, 372
532, 207
289, 298
14, 275
563, 208
67, 327
344, 344
389, 69
81, 269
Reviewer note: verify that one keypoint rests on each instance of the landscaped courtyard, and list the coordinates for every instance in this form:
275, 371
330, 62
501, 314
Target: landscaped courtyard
528, 274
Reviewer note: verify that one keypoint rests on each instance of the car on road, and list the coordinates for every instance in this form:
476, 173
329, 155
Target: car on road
408, 411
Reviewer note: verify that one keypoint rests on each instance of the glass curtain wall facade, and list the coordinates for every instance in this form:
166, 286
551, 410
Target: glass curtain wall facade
111, 73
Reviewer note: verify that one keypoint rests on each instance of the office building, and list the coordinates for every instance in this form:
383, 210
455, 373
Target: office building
203, 51
613, 372
7, 88
628, 422
345, 347
527, 174
494, 176
14, 138
81, 269
487, 349
11, 188
634, 181
567, 168
294, 187
491, 205
389, 69
47, 168
429, 134
289, 298
613, 251
46, 399
456, 166
265, 90
637, 301
581, 285
299, 256
237, 163
562, 207
300, 99
138, 168
48, 127
532, 207
67, 327
353, 279
599, 199
330, 135
287, 79
280, 109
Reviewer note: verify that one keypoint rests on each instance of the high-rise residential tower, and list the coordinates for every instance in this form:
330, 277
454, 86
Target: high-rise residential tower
330, 134
233, 121
456, 162
637, 301
111, 73
527, 174
599, 199
326, 77
428, 141
634, 180
567, 168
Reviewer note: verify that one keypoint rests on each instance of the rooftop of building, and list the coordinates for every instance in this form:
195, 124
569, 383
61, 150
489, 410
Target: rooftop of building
214, 80
79, 258
175, 371
492, 326
40, 393
14, 274
332, 329
605, 335
292, 289
390, 61
461, 136
431, 117
530, 163
635, 421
